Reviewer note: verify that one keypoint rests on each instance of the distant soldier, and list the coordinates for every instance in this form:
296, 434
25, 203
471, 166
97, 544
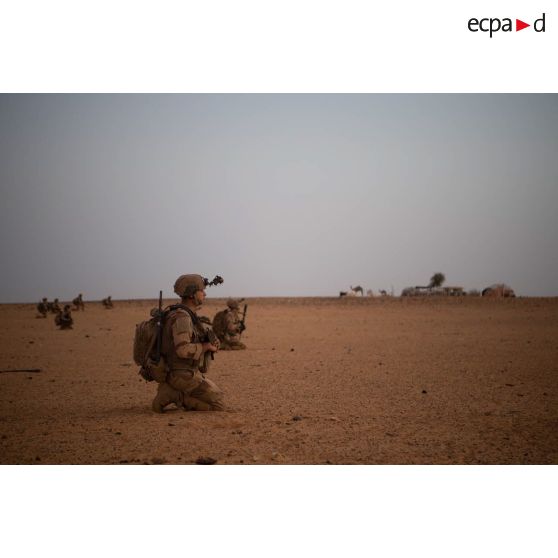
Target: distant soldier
64, 319
42, 308
55, 307
78, 302
107, 303
228, 326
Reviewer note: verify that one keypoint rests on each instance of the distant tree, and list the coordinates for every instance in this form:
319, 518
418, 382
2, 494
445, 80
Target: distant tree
437, 280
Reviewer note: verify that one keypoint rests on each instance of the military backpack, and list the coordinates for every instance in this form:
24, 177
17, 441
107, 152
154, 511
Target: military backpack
147, 347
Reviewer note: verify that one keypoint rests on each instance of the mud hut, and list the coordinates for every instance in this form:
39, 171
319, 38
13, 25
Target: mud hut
498, 290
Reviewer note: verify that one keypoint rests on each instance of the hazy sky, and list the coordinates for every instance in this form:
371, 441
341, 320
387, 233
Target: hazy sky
282, 195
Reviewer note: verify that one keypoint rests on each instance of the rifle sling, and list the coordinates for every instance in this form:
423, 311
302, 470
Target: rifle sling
193, 315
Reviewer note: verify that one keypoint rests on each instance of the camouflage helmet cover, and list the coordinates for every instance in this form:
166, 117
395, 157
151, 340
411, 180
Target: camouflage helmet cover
187, 285
233, 304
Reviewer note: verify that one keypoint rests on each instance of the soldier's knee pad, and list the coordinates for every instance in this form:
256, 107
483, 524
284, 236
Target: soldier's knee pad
185, 381
165, 396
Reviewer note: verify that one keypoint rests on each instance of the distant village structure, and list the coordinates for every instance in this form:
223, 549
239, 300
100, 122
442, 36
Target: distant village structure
499, 290
435, 288
433, 291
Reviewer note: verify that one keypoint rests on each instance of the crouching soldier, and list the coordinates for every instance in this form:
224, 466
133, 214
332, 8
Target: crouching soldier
185, 348
64, 318
54, 307
78, 302
228, 326
42, 308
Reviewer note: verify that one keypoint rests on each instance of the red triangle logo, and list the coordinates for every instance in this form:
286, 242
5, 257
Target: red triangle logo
519, 25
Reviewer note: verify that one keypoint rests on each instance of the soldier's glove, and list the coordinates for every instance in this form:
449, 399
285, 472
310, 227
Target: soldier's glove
145, 374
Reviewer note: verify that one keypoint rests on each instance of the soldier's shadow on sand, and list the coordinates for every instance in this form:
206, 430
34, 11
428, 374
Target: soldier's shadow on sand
144, 410
138, 411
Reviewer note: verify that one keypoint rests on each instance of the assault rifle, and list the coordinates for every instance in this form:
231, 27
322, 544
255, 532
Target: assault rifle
242, 322
203, 326
211, 337
208, 356
153, 367
159, 316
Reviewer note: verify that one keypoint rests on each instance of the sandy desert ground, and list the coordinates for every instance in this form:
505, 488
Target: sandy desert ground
324, 381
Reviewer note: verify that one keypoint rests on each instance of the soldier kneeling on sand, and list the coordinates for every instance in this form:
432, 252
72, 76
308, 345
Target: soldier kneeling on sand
54, 307
184, 344
78, 302
107, 303
64, 318
42, 308
228, 326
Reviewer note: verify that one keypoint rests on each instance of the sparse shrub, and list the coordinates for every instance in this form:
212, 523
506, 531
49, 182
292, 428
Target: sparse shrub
437, 280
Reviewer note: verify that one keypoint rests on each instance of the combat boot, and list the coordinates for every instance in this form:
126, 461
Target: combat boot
195, 404
166, 395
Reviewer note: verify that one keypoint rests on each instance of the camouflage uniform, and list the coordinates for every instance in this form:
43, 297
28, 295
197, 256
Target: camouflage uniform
55, 307
182, 350
78, 302
64, 319
42, 308
228, 327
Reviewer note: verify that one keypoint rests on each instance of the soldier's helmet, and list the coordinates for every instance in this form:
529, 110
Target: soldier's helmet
45, 299
233, 304
56, 301
187, 285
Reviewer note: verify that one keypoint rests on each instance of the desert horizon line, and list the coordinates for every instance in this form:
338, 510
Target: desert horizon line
264, 297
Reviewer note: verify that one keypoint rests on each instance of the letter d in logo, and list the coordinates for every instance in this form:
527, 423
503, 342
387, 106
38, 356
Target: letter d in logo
539, 28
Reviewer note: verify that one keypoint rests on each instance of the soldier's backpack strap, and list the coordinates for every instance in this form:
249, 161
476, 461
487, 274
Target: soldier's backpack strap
196, 321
